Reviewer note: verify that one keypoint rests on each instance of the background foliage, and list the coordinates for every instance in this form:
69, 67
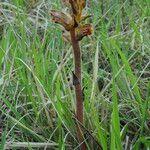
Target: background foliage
36, 100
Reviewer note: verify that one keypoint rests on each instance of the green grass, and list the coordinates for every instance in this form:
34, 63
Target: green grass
36, 101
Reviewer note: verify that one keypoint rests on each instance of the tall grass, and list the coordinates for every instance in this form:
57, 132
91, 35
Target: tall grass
36, 101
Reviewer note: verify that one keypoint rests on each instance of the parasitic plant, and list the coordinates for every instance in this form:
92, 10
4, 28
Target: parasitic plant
72, 24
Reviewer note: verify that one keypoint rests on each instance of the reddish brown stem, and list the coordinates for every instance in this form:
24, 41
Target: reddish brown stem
78, 88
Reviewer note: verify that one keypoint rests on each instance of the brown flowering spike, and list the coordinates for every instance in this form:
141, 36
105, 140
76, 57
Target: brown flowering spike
73, 32
83, 31
63, 19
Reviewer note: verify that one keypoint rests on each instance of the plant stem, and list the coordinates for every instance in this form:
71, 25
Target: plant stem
78, 87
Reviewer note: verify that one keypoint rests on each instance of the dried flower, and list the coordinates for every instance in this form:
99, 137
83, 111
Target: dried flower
63, 19
83, 31
77, 7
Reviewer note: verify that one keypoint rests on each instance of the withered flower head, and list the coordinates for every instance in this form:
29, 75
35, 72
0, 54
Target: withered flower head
74, 20
83, 31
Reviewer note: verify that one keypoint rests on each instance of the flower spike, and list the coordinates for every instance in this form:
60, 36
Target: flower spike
73, 31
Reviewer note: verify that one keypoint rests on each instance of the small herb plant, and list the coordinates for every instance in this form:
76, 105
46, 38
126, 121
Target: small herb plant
72, 23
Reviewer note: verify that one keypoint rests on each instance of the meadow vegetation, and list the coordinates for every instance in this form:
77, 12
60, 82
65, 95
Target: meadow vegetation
37, 100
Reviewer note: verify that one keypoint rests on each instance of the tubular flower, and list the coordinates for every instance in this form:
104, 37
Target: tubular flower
77, 7
63, 19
